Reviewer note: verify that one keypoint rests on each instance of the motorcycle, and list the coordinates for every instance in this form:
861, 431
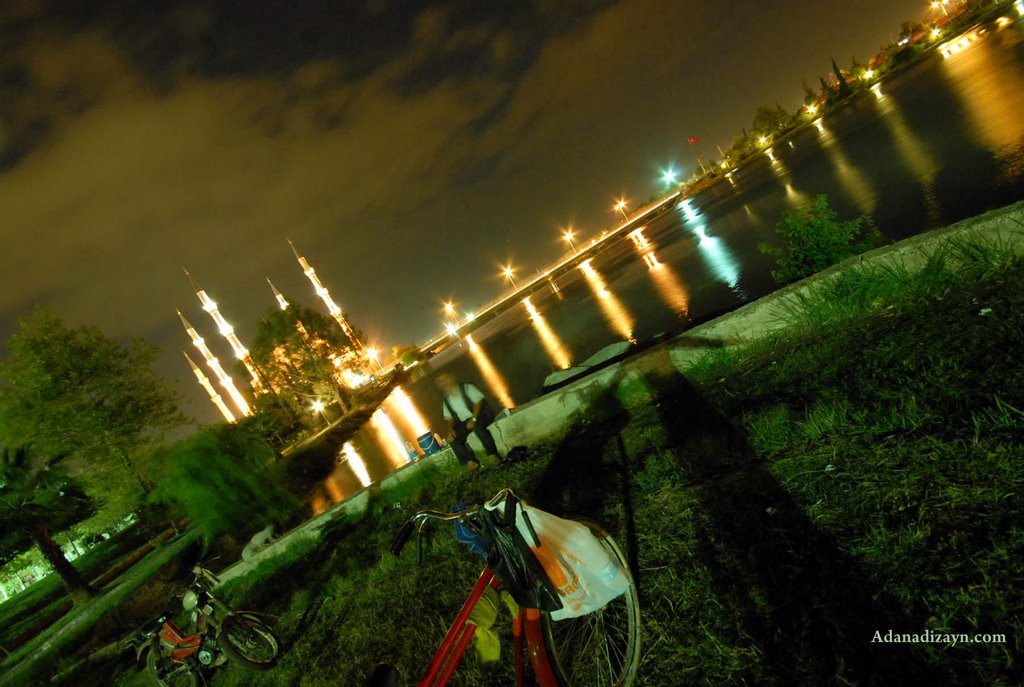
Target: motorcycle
215, 635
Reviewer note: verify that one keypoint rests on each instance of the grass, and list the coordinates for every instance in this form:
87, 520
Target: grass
860, 472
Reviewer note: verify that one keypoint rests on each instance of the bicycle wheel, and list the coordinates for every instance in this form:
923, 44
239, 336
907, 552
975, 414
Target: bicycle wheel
600, 649
248, 642
167, 673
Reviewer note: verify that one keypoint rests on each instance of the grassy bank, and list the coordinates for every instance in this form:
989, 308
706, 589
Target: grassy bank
859, 473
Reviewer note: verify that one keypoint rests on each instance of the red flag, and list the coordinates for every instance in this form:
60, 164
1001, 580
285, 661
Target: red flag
694, 139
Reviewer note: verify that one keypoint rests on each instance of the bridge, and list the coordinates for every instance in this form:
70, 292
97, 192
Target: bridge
547, 278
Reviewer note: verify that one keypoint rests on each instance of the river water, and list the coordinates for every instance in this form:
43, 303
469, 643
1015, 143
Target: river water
939, 142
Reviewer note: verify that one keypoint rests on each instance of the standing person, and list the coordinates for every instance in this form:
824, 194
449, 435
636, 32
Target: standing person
467, 412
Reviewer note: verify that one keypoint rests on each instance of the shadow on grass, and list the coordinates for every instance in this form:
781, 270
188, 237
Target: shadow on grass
589, 474
811, 607
586, 463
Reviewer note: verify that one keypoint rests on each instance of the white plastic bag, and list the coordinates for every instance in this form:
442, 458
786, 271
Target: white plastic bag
586, 574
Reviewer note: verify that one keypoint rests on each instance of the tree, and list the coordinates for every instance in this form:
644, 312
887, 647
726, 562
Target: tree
910, 28
810, 97
772, 120
826, 90
75, 392
301, 354
37, 499
844, 88
222, 480
814, 238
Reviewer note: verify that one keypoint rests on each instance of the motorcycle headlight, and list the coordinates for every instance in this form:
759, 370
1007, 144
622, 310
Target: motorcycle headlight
189, 600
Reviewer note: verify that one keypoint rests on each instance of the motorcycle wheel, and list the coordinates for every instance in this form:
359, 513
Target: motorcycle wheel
167, 673
248, 642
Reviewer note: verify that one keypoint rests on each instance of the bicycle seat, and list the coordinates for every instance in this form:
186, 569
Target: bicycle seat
383, 675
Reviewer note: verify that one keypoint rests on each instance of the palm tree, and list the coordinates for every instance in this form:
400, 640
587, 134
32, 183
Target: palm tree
37, 500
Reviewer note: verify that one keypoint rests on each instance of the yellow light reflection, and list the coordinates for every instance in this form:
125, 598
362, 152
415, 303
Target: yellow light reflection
778, 167
616, 314
640, 241
356, 463
408, 414
793, 196
669, 288
318, 504
390, 440
991, 90
913, 153
851, 179
556, 350
333, 490
491, 375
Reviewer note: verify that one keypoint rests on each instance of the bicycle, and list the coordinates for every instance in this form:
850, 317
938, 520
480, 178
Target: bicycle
597, 649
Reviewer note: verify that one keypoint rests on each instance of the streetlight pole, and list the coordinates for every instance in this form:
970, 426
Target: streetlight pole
508, 275
568, 237
621, 207
318, 407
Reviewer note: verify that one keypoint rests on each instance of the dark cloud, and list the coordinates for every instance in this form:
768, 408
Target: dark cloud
406, 148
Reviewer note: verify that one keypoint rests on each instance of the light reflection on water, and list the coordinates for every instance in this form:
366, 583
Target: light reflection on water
990, 87
355, 463
555, 348
852, 180
389, 438
391, 434
720, 260
794, 197
615, 313
911, 149
667, 284
716, 255
408, 415
493, 378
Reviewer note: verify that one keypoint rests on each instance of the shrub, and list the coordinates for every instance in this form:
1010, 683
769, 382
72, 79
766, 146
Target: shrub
813, 238
221, 480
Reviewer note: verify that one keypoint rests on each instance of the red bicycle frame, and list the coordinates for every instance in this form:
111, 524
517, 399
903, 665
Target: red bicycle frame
453, 647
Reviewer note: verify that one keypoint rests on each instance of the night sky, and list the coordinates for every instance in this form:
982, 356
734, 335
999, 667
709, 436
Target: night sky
406, 148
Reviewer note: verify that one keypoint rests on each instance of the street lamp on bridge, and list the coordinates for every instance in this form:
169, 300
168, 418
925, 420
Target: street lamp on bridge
621, 207
568, 237
508, 275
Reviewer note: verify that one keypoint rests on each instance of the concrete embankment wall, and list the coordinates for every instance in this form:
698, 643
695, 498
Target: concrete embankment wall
550, 417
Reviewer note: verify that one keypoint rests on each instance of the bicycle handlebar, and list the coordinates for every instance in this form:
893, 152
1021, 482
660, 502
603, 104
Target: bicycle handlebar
423, 516
403, 537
